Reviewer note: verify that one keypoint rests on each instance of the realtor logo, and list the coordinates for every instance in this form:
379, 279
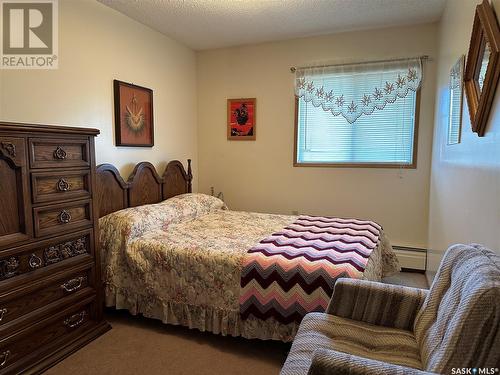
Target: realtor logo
29, 34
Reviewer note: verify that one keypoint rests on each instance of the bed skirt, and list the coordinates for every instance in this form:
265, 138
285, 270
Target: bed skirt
203, 318
226, 322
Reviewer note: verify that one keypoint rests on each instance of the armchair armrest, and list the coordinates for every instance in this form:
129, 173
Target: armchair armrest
331, 362
376, 303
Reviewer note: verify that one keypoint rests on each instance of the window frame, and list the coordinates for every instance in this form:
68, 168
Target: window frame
413, 165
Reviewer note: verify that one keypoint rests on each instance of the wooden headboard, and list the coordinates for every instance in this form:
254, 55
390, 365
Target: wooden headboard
144, 186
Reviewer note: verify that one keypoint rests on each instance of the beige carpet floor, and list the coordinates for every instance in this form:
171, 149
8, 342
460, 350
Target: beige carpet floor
138, 345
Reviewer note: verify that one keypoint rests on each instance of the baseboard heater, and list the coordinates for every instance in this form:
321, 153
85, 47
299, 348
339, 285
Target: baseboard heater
411, 258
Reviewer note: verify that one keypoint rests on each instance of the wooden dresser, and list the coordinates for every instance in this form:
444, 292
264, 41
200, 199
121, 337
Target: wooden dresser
50, 288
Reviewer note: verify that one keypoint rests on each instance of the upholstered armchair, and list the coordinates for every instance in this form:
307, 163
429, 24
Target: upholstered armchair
375, 328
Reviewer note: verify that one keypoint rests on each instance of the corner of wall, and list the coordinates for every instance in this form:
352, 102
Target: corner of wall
464, 204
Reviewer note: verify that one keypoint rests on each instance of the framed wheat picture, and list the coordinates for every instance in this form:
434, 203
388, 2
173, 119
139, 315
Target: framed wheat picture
241, 119
134, 125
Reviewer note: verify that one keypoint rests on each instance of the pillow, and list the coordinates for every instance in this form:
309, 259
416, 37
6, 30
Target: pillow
193, 204
119, 228
134, 222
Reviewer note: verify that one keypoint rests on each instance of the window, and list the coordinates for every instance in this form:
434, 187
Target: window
385, 136
455, 91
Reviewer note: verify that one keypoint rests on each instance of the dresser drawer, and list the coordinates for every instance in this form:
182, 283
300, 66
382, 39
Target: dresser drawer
59, 153
30, 297
46, 256
62, 217
44, 335
60, 185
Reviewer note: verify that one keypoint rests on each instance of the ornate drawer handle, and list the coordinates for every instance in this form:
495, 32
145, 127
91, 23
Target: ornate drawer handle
59, 153
35, 262
2, 313
5, 355
64, 217
73, 284
63, 185
75, 320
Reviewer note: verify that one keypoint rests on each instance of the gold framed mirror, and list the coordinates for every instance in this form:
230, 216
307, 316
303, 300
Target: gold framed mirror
483, 66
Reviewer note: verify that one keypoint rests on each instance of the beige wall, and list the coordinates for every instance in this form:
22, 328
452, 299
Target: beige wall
259, 176
97, 45
465, 183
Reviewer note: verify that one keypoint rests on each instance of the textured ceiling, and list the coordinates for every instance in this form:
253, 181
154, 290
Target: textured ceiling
206, 24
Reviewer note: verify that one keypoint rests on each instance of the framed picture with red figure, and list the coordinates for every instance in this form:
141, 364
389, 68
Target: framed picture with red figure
133, 115
241, 119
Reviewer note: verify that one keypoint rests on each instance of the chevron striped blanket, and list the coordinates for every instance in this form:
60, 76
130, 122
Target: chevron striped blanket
292, 272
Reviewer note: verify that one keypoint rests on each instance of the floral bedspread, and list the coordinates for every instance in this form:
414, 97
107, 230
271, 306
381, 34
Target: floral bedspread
180, 261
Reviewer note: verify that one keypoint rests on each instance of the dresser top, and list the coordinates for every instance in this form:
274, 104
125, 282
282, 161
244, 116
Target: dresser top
56, 129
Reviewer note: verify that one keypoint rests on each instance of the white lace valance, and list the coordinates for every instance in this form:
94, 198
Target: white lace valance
352, 90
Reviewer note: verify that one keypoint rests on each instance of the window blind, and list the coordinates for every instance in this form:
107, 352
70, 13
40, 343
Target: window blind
455, 110
455, 115
384, 137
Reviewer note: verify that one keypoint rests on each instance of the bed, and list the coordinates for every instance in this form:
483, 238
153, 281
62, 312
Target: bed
187, 259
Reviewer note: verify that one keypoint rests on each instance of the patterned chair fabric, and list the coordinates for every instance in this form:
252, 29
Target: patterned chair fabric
388, 329
459, 322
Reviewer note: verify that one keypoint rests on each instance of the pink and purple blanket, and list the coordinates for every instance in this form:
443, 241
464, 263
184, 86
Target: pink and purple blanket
292, 272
